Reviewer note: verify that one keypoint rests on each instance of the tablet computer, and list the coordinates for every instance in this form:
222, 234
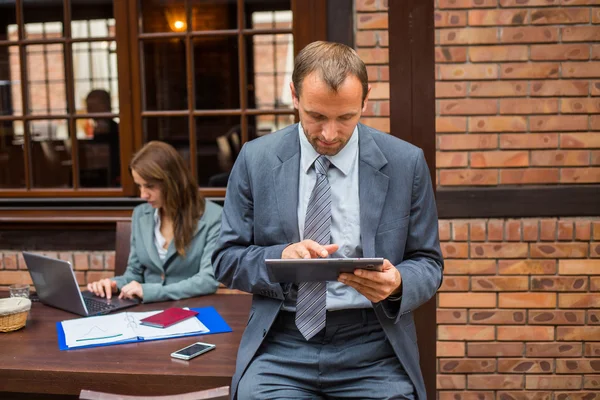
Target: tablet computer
317, 269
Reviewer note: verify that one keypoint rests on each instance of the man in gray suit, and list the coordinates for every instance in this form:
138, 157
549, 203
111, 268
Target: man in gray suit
330, 186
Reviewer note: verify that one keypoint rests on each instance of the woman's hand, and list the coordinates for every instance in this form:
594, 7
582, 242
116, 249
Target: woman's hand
131, 290
103, 287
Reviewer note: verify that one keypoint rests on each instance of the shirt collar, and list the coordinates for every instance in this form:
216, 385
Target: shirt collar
342, 160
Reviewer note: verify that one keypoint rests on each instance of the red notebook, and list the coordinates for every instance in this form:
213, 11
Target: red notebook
168, 317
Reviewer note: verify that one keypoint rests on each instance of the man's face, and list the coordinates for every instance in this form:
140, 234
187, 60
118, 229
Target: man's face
327, 117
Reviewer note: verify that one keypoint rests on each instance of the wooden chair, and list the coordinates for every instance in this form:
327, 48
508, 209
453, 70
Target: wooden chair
122, 245
221, 393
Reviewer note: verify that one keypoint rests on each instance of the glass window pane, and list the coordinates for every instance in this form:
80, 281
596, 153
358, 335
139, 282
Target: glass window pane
172, 130
45, 70
219, 140
270, 71
163, 16
50, 154
43, 19
95, 68
268, 15
264, 124
216, 66
164, 67
8, 27
12, 164
211, 15
10, 81
99, 157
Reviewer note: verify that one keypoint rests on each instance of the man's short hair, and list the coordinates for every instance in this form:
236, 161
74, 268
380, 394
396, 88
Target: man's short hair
333, 62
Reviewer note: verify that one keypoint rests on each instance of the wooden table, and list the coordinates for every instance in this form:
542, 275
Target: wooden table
30, 361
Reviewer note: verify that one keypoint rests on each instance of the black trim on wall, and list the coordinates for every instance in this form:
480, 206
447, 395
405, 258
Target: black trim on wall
518, 202
340, 21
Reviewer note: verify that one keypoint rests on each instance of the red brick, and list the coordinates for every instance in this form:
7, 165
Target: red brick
81, 261
580, 34
583, 230
469, 267
513, 231
553, 349
468, 72
460, 231
526, 267
450, 349
550, 317
578, 300
559, 88
559, 283
527, 300
565, 230
448, 54
10, 277
579, 140
109, 261
579, 2
526, 366
529, 34
467, 3
96, 261
366, 39
595, 52
367, 5
379, 90
467, 142
444, 230
559, 16
384, 73
528, 3
498, 250
456, 365
498, 53
489, 381
571, 333
559, 52
529, 106
498, 124
450, 89
498, 17
462, 332
10, 260
383, 124
498, 89
450, 124
495, 229
372, 21
497, 317
548, 158
467, 177
529, 141
471, 300
470, 395
451, 316
445, 19
596, 15
580, 175
595, 156
593, 317
500, 283
503, 349
455, 250
589, 69
529, 176
451, 381
538, 70
532, 333
595, 284
505, 159
558, 123
530, 230
580, 105
524, 395
455, 284
477, 231
373, 55
592, 349
579, 267
93, 276
596, 235
577, 366
552, 382
468, 107
453, 159
559, 250
469, 36
548, 229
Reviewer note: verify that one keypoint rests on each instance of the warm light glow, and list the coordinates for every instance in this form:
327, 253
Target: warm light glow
179, 25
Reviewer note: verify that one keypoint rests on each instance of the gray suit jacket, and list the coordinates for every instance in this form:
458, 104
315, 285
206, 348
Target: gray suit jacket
398, 221
178, 277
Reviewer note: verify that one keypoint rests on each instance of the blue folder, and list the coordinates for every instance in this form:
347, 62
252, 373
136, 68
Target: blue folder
207, 315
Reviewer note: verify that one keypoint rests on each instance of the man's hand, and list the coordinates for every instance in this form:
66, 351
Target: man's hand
374, 285
131, 290
308, 249
103, 287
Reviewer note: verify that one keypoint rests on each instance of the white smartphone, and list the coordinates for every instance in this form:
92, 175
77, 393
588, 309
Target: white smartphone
194, 350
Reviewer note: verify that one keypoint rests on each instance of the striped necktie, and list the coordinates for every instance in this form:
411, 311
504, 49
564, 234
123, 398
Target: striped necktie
310, 303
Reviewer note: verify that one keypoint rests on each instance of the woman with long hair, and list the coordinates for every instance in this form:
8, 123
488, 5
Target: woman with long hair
173, 234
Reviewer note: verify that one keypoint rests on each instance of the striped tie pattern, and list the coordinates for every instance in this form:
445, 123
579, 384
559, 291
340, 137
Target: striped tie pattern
310, 303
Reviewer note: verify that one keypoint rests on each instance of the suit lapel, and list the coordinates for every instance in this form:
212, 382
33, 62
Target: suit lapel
373, 187
147, 225
286, 181
172, 251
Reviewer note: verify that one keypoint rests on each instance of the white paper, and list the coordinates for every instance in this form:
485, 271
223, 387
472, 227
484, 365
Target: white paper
124, 326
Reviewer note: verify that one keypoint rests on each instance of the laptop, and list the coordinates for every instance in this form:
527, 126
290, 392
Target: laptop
56, 286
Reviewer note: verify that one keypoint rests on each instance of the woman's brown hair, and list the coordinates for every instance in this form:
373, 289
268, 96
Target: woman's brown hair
158, 163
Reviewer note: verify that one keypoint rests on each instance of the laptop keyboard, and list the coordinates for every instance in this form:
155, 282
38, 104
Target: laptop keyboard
97, 306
